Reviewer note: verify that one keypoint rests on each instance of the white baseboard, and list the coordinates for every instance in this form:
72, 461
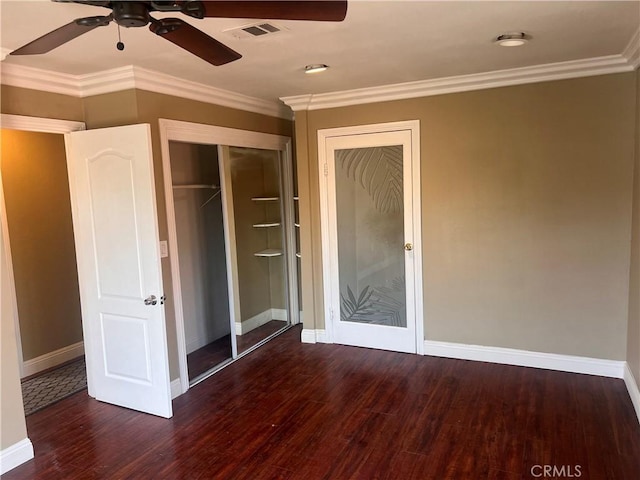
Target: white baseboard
308, 336
313, 336
15, 455
176, 388
260, 319
632, 388
52, 359
525, 358
321, 336
279, 314
521, 358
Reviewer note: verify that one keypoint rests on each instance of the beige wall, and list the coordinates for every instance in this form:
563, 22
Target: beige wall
526, 205
633, 332
12, 424
34, 173
34, 103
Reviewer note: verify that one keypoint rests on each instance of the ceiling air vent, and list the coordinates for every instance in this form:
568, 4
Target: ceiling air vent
254, 30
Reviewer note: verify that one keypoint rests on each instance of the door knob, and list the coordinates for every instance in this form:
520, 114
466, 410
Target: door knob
150, 300
408, 246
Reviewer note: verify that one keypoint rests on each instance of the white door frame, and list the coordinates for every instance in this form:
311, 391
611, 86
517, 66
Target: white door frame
26, 124
328, 267
175, 130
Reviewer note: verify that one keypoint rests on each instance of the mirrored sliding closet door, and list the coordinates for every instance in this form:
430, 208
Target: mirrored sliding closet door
234, 248
254, 186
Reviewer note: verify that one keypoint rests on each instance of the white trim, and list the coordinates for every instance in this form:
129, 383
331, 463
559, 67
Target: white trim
525, 358
308, 335
4, 225
39, 79
15, 455
253, 322
130, 77
632, 388
462, 83
279, 314
328, 222
4, 52
321, 336
176, 388
37, 124
52, 359
231, 252
632, 50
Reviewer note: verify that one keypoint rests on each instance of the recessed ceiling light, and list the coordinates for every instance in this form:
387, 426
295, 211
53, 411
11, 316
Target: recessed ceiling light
315, 68
512, 39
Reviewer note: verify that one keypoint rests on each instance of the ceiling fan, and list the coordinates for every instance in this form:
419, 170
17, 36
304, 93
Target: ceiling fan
181, 33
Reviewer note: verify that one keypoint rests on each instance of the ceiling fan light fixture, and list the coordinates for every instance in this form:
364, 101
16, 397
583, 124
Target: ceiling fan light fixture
315, 68
512, 39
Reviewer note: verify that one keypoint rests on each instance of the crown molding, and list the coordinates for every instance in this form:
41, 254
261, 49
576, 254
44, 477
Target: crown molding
38, 79
38, 124
632, 50
124, 78
462, 83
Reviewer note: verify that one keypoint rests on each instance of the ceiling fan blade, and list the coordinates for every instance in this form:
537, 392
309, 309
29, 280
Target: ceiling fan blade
323, 10
194, 41
62, 35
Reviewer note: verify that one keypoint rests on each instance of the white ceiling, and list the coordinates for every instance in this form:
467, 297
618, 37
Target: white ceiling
379, 43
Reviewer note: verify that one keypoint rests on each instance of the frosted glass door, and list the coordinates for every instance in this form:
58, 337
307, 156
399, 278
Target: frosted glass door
370, 208
370, 219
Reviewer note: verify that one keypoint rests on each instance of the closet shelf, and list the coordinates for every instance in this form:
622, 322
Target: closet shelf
266, 224
265, 199
196, 185
269, 252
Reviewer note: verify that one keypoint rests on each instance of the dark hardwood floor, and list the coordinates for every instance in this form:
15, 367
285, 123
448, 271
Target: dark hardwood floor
207, 357
296, 411
249, 339
213, 354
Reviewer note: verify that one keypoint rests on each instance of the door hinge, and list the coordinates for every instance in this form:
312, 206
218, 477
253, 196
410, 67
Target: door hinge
326, 170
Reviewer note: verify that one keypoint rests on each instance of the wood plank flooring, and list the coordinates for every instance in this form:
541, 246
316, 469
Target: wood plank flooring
295, 411
216, 352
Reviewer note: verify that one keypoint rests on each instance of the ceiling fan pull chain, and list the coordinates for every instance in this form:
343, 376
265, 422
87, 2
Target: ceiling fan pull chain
119, 45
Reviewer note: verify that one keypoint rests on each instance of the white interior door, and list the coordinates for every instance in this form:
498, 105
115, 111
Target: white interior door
115, 224
372, 240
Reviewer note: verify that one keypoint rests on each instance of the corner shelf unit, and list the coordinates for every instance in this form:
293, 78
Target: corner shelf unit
268, 252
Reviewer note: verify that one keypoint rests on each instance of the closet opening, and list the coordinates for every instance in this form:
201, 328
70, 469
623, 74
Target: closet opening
202, 256
232, 243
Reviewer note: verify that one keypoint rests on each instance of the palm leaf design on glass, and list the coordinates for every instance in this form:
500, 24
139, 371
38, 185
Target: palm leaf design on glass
379, 172
377, 305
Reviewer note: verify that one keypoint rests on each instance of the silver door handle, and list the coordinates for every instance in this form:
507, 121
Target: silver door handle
150, 300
